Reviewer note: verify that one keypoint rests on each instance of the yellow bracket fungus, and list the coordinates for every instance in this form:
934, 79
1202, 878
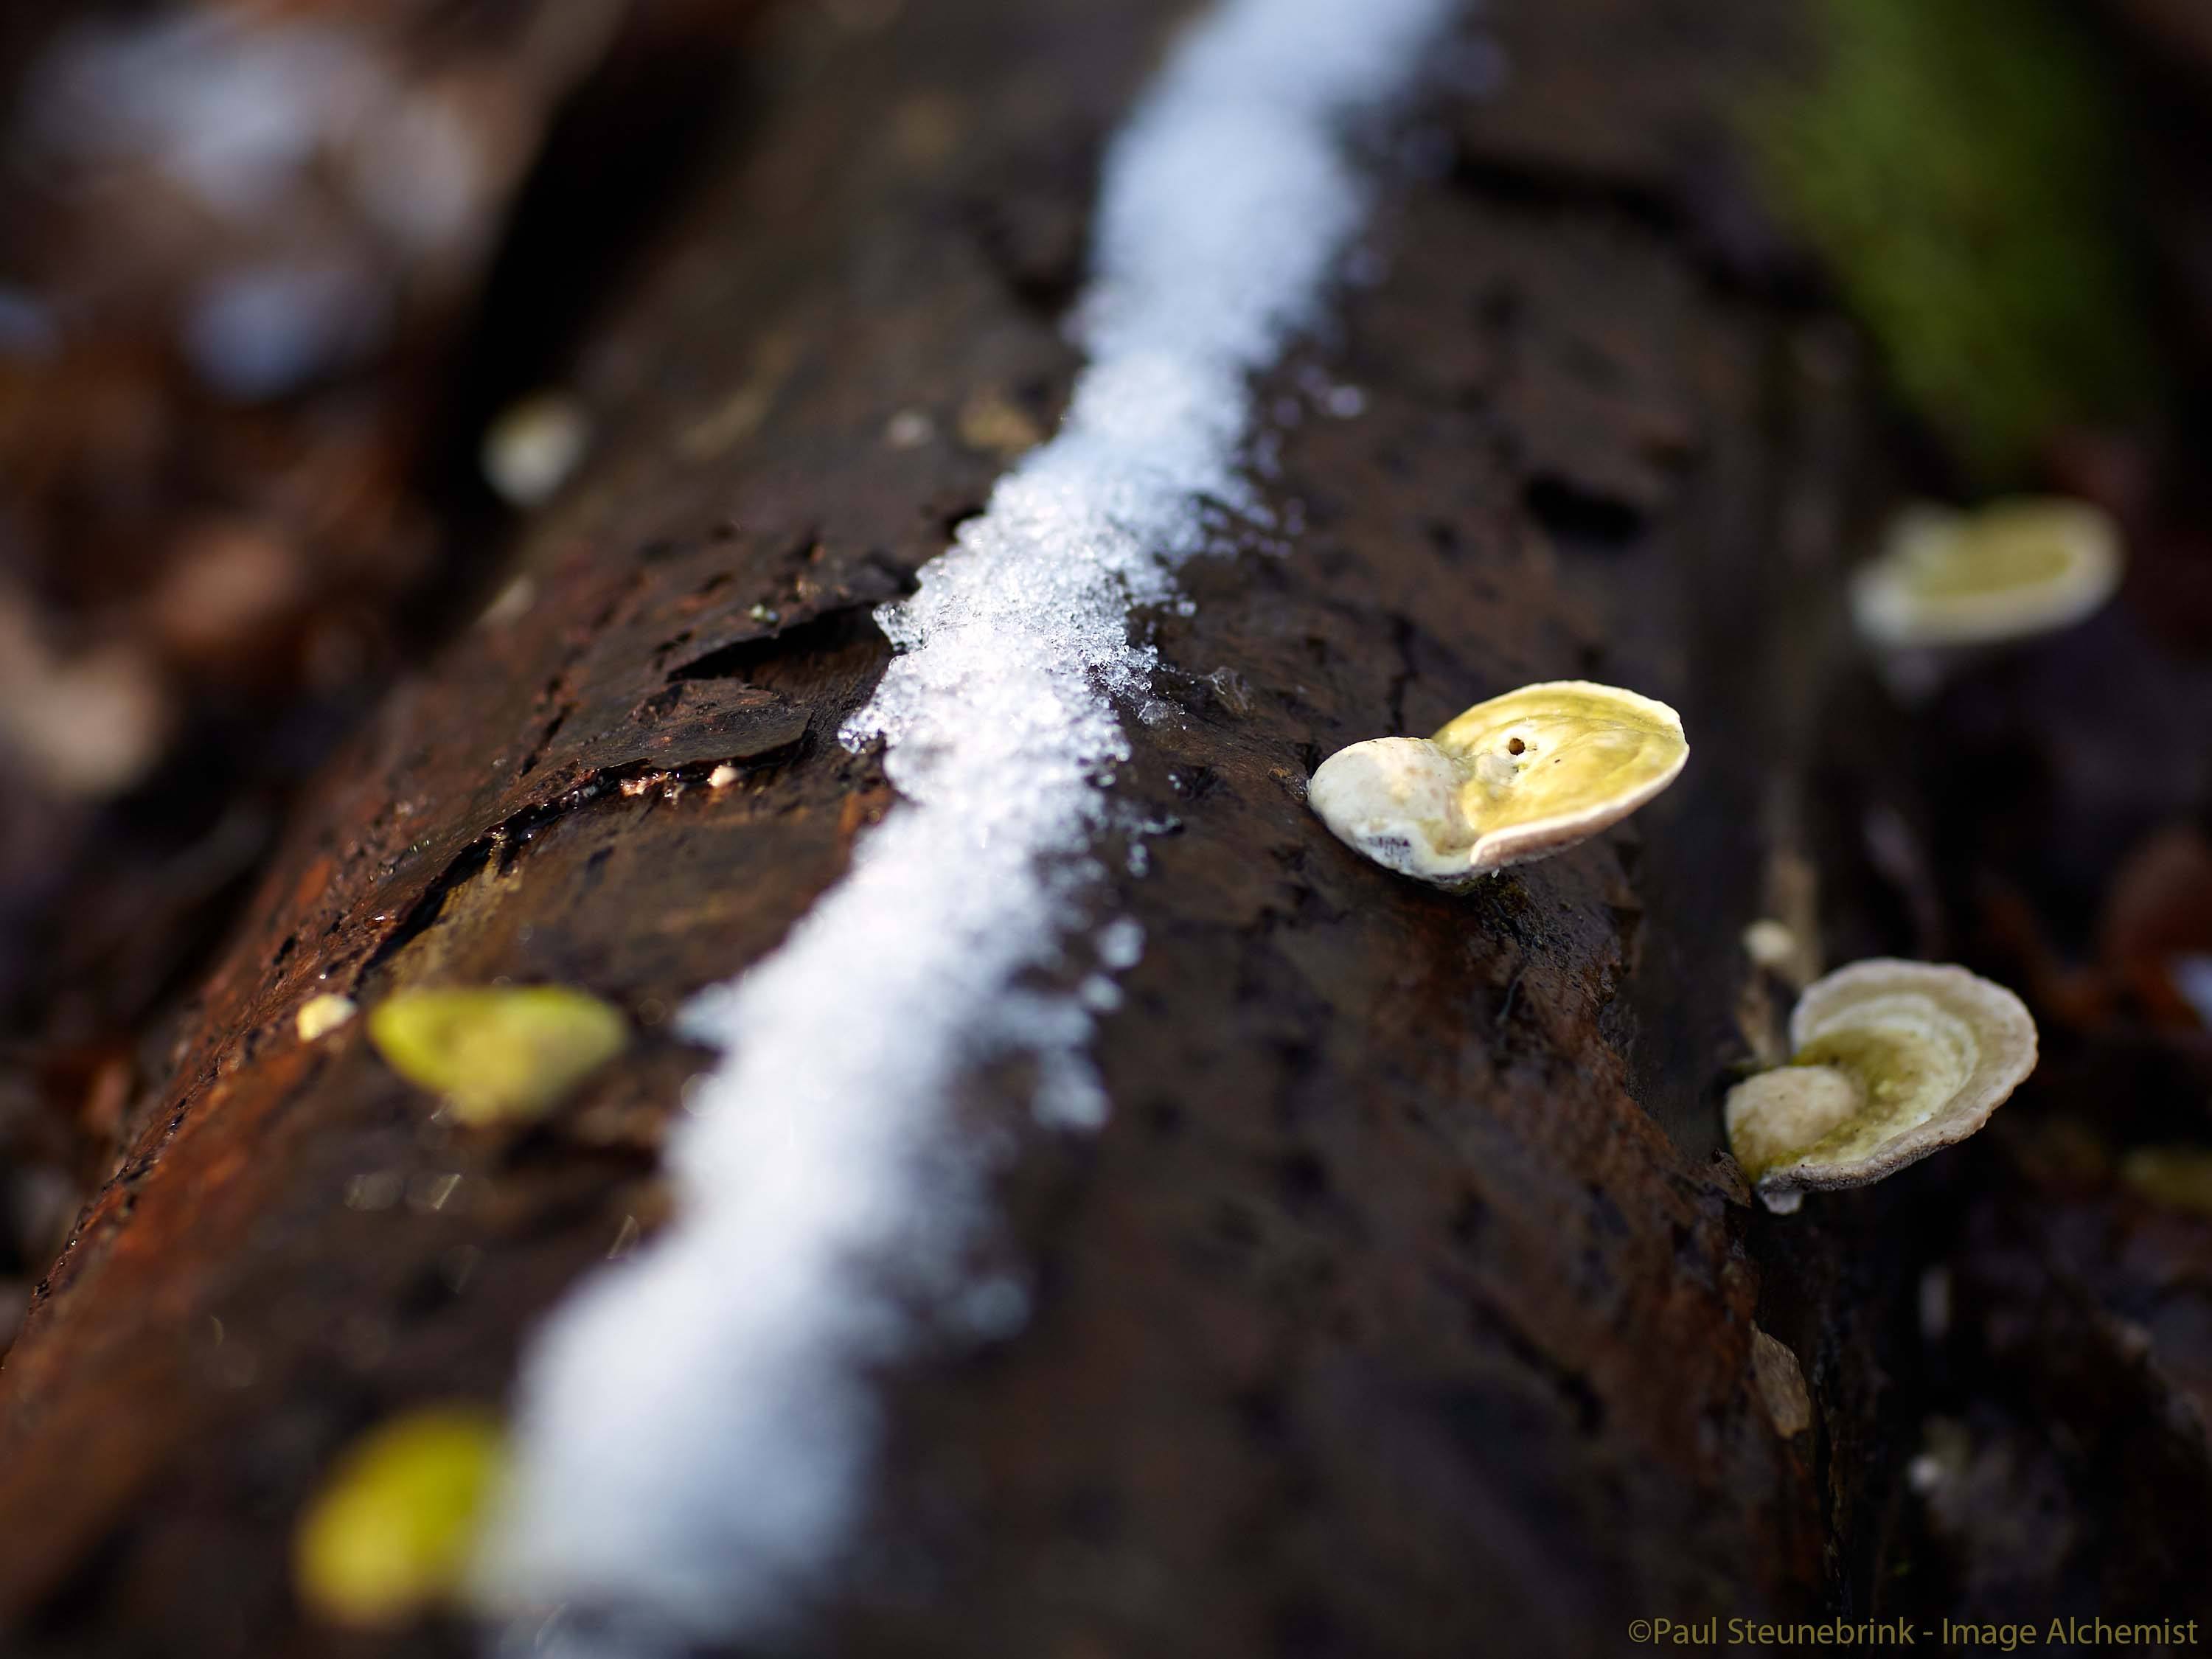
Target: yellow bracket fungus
393, 1530
496, 1052
1892, 1060
2016, 568
1519, 777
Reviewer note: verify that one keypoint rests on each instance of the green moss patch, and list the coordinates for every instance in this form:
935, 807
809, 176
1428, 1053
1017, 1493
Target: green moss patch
1958, 164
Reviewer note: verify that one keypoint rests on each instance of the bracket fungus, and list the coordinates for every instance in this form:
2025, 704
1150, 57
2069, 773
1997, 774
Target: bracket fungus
2014, 569
1517, 778
393, 1533
1892, 1061
498, 1054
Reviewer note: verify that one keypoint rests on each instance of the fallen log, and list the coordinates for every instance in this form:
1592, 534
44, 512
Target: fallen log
1405, 1301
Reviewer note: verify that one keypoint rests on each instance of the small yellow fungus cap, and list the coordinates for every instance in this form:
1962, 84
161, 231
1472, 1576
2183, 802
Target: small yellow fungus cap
498, 1053
393, 1531
2014, 569
319, 1016
1892, 1060
1519, 777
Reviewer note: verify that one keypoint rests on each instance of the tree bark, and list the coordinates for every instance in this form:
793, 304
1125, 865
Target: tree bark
1406, 1304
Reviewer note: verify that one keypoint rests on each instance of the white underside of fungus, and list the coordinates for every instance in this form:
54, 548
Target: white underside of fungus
696, 1424
1892, 1061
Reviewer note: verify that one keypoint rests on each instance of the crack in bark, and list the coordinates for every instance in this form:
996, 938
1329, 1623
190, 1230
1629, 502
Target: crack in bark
503, 842
825, 631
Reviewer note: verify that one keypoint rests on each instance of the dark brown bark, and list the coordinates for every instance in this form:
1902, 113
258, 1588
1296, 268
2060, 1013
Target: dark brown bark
1405, 1306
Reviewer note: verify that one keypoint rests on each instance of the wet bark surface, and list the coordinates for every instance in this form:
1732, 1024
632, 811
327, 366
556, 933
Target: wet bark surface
1406, 1303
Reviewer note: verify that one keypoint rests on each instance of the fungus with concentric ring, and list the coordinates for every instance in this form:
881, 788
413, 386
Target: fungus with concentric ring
1890, 1061
1519, 777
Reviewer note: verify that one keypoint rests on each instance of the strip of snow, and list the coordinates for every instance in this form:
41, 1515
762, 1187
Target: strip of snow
695, 1423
